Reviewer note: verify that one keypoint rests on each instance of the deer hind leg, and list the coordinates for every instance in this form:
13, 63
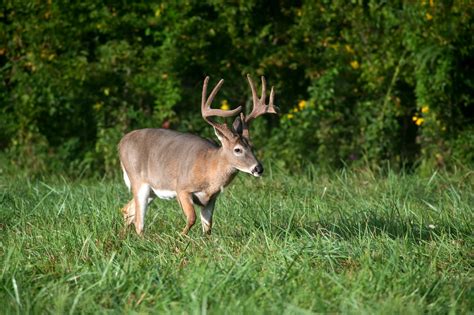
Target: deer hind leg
128, 212
206, 216
140, 196
186, 203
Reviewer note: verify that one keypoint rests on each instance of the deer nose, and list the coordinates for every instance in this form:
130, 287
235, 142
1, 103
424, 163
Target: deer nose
258, 169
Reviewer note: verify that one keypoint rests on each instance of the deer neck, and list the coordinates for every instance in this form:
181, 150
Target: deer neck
223, 171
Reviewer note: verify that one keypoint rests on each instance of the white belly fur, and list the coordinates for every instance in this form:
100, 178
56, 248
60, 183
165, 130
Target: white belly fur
200, 194
165, 194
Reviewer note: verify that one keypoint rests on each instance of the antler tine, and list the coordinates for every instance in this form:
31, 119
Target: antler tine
213, 93
264, 90
204, 94
252, 87
272, 109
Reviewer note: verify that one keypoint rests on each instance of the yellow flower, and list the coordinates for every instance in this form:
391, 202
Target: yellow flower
97, 106
289, 116
349, 49
431, 3
429, 17
302, 104
355, 64
225, 105
414, 118
425, 109
159, 10
419, 121
31, 66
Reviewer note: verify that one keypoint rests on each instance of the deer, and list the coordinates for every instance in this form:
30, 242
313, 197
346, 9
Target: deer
169, 164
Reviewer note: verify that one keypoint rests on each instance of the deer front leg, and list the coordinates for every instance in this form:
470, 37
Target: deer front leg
185, 200
206, 216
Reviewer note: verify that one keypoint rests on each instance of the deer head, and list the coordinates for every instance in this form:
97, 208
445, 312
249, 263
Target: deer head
236, 145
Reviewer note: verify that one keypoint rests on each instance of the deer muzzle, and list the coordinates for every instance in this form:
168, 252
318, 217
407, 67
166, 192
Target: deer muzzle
257, 171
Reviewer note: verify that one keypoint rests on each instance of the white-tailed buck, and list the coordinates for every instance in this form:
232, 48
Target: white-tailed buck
167, 164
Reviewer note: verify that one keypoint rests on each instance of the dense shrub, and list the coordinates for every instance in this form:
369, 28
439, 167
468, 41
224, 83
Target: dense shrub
357, 82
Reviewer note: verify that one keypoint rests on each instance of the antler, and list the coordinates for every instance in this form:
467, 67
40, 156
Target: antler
207, 111
259, 106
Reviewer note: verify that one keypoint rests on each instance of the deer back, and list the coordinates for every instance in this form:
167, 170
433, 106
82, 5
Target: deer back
169, 160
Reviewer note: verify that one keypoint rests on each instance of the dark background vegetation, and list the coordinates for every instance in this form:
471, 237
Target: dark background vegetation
358, 82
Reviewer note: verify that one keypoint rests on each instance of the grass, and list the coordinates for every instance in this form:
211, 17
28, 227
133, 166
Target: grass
350, 242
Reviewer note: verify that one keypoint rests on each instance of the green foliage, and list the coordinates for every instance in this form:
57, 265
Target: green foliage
387, 81
350, 242
383, 81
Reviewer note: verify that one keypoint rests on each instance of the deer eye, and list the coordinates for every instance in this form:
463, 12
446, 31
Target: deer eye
237, 150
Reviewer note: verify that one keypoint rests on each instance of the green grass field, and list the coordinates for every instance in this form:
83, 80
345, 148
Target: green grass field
350, 242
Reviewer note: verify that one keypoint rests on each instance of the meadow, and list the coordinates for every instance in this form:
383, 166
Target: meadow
351, 241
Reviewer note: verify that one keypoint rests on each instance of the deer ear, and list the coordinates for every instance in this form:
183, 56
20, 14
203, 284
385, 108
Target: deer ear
238, 125
220, 135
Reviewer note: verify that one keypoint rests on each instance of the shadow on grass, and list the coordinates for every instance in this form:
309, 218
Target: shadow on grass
363, 225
